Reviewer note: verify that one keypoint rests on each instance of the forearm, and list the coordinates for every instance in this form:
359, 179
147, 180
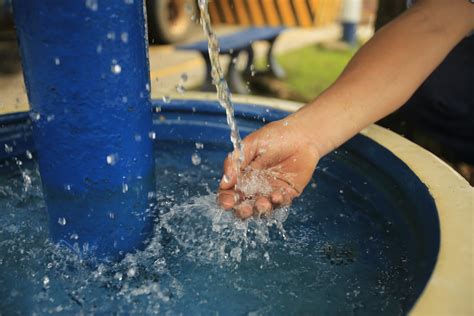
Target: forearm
386, 71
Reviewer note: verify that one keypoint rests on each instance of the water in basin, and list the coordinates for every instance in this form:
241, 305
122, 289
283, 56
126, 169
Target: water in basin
333, 251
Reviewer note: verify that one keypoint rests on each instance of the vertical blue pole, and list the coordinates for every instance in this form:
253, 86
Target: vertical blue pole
87, 76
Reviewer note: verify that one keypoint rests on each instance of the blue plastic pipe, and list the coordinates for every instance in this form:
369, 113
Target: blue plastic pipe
87, 77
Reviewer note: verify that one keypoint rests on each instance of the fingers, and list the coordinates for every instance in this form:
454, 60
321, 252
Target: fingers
283, 197
227, 199
263, 206
244, 210
244, 207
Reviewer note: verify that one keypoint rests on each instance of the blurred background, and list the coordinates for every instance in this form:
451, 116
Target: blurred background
318, 39
309, 49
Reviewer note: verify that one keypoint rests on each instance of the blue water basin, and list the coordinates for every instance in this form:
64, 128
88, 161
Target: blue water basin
362, 239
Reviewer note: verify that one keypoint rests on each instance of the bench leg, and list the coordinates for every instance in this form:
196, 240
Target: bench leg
207, 86
235, 78
274, 67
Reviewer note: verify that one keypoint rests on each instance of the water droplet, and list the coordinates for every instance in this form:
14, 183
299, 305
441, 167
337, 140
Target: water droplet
236, 253
74, 236
196, 159
124, 37
138, 137
49, 118
313, 185
180, 88
35, 116
67, 187
57, 61
199, 145
99, 49
124, 188
8, 149
111, 215
92, 4
266, 256
111, 36
128, 1
131, 272
285, 123
45, 282
341, 191
152, 135
118, 276
166, 99
124, 99
62, 221
252, 70
116, 69
29, 155
112, 159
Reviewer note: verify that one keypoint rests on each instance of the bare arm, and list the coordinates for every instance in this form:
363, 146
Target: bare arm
379, 79
386, 71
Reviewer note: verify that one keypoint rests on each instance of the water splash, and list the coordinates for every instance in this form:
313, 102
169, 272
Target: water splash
200, 255
206, 233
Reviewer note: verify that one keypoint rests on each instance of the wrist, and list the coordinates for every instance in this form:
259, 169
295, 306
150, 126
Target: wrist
310, 130
328, 122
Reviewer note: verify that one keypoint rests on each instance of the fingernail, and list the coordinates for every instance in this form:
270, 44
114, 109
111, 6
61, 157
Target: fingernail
225, 178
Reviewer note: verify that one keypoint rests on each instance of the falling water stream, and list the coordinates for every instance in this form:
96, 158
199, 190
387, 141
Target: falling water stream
223, 92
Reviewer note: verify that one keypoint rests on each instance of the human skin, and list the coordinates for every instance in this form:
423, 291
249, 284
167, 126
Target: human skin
379, 79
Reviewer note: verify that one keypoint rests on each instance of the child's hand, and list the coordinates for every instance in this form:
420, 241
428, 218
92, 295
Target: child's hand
279, 161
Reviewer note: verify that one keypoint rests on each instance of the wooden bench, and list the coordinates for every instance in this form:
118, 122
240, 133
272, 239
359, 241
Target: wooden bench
234, 44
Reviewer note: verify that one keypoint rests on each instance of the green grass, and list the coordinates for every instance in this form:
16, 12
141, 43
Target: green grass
312, 69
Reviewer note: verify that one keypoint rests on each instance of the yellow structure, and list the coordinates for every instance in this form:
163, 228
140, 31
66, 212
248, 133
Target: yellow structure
305, 13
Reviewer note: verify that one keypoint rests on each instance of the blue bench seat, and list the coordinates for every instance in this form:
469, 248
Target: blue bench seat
233, 45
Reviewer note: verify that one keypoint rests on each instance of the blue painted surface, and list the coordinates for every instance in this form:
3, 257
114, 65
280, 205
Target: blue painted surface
349, 32
239, 40
87, 78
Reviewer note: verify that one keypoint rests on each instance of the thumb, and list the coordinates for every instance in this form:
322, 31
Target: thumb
229, 179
